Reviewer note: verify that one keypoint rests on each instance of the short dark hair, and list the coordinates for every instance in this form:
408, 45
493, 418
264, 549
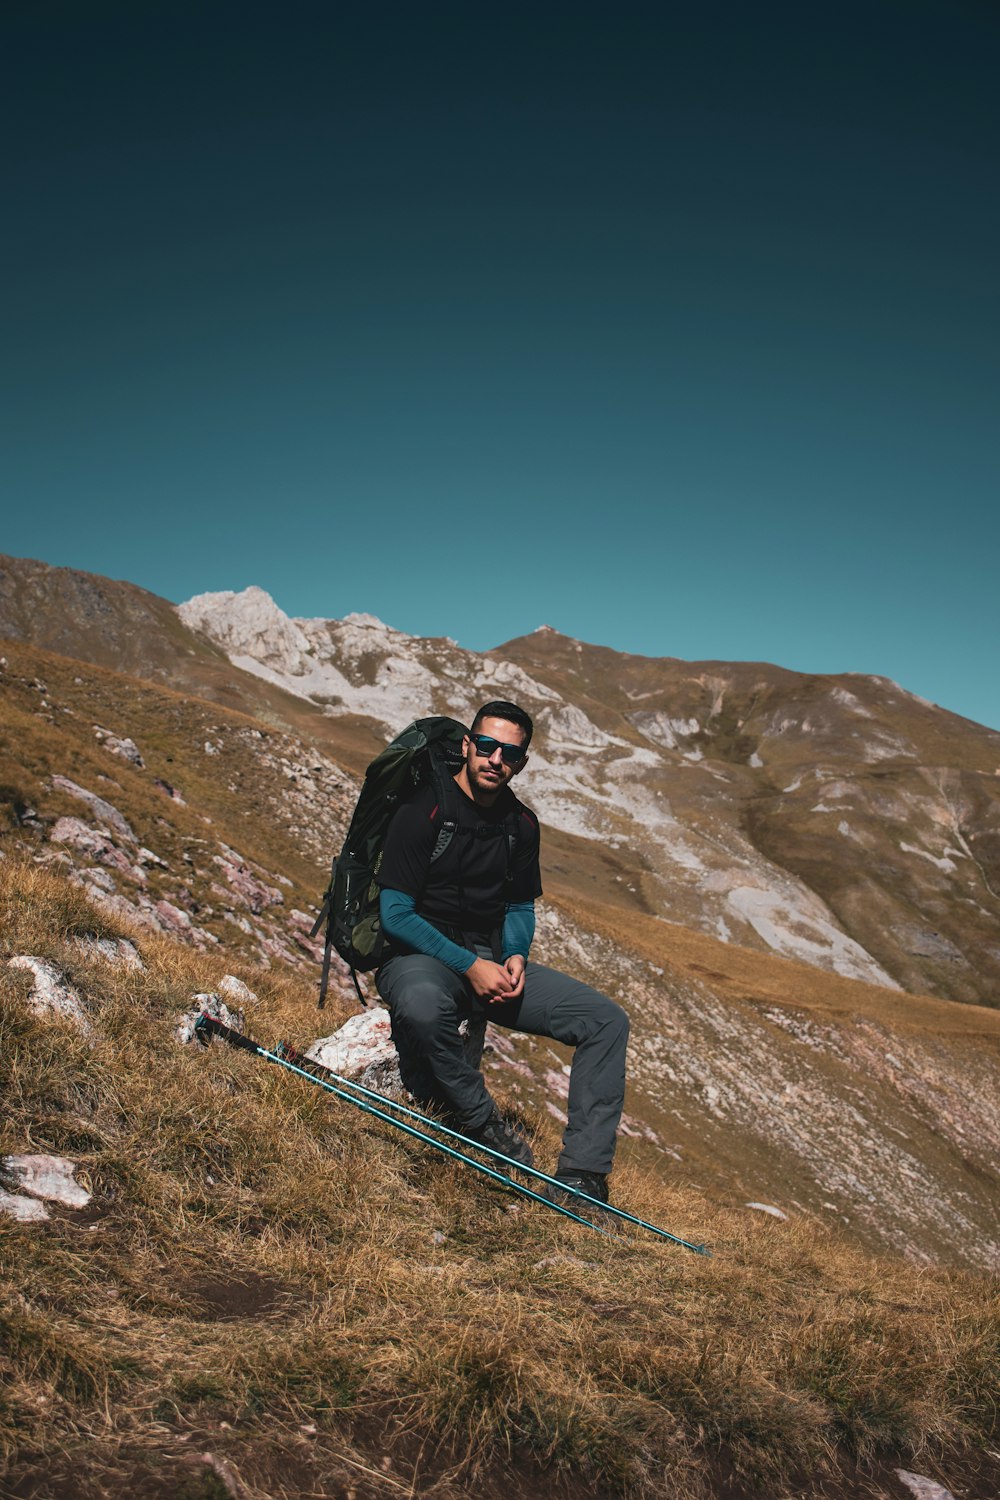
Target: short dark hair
509, 711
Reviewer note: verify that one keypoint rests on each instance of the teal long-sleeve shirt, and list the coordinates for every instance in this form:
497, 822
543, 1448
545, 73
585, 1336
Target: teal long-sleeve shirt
401, 920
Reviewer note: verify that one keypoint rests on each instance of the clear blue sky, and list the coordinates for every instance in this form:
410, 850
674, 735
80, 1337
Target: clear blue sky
676, 327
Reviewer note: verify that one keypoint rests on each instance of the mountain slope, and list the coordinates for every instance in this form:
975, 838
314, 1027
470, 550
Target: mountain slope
752, 1076
270, 1294
838, 820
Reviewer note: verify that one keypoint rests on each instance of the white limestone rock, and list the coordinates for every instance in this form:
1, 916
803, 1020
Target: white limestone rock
361, 1043
52, 1178
124, 747
51, 993
25, 1210
254, 893
363, 1051
95, 844
118, 952
248, 624
234, 989
210, 1004
922, 1488
569, 725
103, 811
172, 918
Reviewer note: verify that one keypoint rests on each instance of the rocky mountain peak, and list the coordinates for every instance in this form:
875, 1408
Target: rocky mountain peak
248, 624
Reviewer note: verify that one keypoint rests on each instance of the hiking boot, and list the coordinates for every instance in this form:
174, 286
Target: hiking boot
594, 1184
500, 1136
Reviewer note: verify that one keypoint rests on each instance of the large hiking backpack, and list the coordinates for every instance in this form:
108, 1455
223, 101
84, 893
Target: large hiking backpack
428, 750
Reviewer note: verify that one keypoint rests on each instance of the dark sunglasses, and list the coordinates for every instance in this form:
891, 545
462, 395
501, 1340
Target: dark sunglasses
486, 745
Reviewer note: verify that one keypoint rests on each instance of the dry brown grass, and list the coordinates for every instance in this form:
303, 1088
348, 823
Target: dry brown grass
744, 974
271, 1275
170, 729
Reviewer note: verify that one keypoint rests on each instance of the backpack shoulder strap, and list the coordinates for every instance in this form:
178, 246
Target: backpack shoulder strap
512, 834
447, 809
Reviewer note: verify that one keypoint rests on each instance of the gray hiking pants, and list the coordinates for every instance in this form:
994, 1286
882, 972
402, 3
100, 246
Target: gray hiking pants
428, 1002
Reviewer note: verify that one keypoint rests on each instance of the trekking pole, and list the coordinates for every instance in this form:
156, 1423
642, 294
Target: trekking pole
289, 1057
312, 1068
209, 1024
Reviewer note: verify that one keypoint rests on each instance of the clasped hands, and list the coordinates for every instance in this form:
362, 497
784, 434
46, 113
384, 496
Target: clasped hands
495, 982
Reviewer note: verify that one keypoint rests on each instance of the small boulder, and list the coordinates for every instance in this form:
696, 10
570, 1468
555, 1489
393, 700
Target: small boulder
118, 952
207, 1003
96, 844
922, 1488
26, 1210
256, 894
126, 748
51, 993
235, 990
361, 1050
50, 1177
171, 791
171, 918
103, 811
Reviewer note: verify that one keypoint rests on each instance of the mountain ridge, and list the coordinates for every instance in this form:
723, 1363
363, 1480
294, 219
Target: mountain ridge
641, 721
836, 819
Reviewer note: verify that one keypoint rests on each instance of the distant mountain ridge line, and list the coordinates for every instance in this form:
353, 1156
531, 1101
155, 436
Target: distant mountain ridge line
836, 819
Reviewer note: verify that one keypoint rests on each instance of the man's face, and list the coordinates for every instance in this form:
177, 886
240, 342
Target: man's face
489, 773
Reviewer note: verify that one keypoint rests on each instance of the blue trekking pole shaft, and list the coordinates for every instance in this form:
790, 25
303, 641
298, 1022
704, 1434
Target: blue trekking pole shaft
535, 1172
246, 1044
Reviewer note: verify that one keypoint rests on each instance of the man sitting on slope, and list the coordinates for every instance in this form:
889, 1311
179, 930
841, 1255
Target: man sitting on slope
461, 928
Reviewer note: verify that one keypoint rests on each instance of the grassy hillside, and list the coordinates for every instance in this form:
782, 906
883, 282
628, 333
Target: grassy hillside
757, 1078
272, 1295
